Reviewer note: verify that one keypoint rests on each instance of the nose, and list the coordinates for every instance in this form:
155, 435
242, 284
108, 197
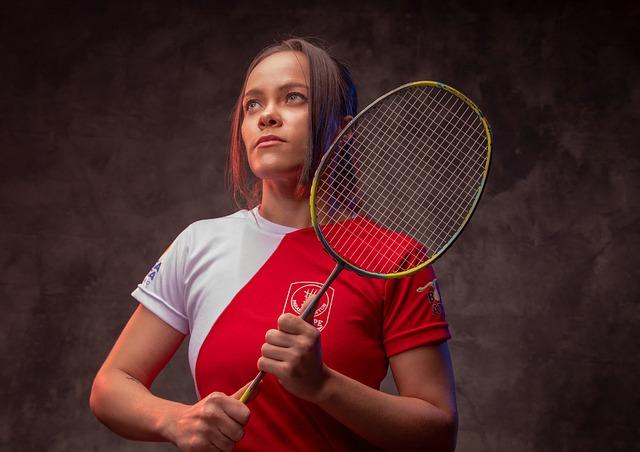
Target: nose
270, 118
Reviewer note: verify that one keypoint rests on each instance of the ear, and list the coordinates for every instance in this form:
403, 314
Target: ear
345, 138
345, 121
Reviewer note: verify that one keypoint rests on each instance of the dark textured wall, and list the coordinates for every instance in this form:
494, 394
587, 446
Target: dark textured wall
113, 125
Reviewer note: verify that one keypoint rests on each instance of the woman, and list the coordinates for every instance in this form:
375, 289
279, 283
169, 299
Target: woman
227, 281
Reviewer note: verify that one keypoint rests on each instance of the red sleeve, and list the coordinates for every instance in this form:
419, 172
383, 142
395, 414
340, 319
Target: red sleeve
413, 313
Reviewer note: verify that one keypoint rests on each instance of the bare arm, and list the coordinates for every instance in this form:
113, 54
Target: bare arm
120, 396
423, 415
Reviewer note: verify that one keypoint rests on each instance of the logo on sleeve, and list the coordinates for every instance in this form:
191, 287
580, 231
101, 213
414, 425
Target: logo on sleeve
153, 273
298, 294
433, 296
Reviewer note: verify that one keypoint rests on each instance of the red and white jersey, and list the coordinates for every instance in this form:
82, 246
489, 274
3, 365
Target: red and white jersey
226, 281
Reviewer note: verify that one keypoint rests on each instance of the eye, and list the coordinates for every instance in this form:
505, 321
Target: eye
251, 105
296, 97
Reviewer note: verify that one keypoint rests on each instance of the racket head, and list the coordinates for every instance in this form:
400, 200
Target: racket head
423, 111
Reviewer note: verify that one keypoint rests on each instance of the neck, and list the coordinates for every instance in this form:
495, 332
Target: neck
285, 203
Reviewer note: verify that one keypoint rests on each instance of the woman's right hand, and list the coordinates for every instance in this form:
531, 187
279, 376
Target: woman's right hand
215, 423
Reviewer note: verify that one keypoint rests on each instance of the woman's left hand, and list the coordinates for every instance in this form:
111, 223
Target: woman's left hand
293, 354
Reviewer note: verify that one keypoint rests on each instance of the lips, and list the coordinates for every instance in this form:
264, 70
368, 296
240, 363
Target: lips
268, 140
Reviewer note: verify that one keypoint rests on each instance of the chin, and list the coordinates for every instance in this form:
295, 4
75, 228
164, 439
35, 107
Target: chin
276, 172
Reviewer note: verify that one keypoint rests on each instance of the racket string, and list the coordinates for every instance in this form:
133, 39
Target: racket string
402, 187
441, 202
398, 189
346, 196
394, 243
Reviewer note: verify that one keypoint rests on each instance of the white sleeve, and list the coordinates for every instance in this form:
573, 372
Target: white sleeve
162, 290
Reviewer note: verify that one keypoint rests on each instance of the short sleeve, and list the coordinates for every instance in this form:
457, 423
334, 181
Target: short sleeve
413, 313
162, 290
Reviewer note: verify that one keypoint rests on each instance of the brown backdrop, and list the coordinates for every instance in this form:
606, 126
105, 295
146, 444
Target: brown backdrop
113, 131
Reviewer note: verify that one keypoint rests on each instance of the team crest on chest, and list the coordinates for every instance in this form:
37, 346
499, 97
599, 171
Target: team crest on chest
298, 294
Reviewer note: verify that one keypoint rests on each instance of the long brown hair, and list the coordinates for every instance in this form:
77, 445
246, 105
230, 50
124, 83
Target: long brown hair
332, 97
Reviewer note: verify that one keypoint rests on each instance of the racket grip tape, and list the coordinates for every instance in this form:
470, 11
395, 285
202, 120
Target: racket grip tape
254, 384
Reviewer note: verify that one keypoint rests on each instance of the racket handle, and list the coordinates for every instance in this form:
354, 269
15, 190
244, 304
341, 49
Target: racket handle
254, 384
307, 312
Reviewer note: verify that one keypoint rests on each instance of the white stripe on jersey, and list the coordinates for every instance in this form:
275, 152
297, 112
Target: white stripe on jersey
203, 270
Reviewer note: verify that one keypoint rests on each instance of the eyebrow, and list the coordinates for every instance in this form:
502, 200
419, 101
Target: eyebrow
286, 86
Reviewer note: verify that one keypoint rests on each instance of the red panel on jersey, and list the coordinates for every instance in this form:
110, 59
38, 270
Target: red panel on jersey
363, 321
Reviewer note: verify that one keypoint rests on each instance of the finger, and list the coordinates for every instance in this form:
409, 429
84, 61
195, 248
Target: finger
236, 410
216, 408
291, 324
220, 441
231, 430
276, 353
273, 367
279, 338
297, 331
215, 447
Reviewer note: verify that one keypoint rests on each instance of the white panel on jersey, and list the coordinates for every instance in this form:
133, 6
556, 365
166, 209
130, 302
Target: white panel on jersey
205, 268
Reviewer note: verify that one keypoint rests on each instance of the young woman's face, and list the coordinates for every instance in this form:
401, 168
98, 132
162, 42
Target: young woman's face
275, 128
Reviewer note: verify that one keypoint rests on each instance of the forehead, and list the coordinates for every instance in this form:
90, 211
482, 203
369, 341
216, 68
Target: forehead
278, 69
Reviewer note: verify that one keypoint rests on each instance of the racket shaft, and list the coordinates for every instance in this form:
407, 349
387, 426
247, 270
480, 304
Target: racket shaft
254, 384
304, 315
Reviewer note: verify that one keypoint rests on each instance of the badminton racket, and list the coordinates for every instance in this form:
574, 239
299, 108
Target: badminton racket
399, 184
